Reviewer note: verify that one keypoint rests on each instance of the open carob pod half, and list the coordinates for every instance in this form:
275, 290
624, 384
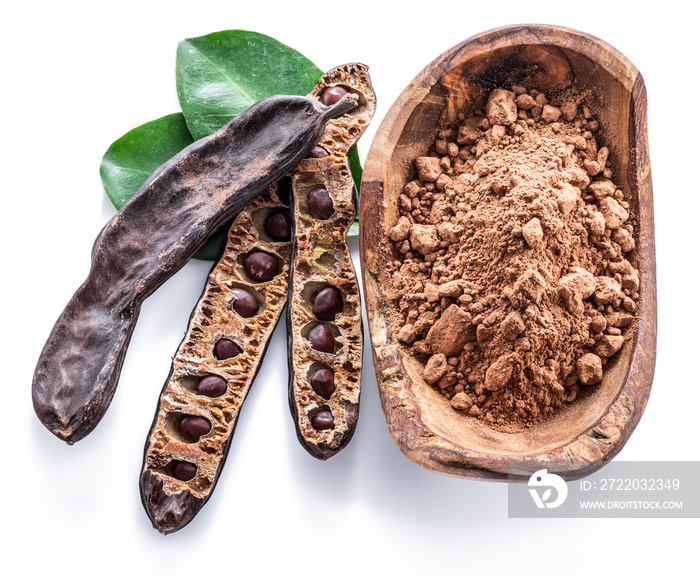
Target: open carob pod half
168, 219
215, 365
324, 323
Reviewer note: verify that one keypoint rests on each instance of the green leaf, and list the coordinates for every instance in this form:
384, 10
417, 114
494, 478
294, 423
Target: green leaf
133, 157
215, 244
355, 166
221, 74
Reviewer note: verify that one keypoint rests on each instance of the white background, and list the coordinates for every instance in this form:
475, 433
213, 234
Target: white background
76, 76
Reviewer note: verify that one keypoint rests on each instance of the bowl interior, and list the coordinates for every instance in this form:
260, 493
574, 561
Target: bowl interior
458, 81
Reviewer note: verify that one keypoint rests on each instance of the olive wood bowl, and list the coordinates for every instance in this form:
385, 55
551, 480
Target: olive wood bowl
582, 437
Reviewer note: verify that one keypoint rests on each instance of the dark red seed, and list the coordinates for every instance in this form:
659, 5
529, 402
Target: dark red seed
244, 302
184, 471
320, 203
323, 383
261, 266
278, 226
225, 349
327, 303
212, 386
322, 420
193, 427
318, 152
333, 94
321, 338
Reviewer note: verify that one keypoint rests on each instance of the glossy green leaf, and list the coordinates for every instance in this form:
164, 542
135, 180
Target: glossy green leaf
221, 74
355, 167
133, 157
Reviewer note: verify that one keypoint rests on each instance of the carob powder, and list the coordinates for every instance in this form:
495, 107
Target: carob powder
515, 274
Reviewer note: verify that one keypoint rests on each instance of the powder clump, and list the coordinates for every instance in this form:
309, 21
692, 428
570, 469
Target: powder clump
515, 274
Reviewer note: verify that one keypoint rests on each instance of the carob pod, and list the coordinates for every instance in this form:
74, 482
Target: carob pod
324, 322
168, 219
215, 365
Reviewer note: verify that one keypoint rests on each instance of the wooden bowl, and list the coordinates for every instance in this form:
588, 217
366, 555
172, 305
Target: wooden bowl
585, 435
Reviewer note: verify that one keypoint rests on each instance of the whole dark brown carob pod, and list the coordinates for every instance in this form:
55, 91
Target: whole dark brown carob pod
324, 322
215, 365
168, 219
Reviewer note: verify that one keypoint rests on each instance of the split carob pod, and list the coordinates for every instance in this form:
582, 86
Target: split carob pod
168, 219
324, 323
215, 365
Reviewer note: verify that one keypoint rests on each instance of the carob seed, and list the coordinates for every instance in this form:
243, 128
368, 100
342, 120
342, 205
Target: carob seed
261, 266
321, 338
327, 303
184, 471
278, 226
323, 383
333, 94
225, 349
192, 427
322, 420
318, 152
212, 386
320, 203
244, 303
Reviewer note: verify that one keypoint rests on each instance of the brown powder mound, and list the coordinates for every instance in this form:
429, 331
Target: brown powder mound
515, 276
